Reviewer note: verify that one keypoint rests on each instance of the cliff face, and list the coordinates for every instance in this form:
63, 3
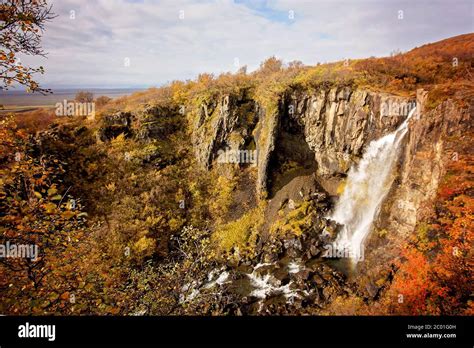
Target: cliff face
325, 132
225, 124
338, 123
424, 156
334, 124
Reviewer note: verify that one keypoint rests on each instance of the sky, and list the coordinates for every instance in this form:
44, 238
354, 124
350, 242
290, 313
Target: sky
144, 43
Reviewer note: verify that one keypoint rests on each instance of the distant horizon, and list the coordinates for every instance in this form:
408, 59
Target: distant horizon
20, 97
21, 89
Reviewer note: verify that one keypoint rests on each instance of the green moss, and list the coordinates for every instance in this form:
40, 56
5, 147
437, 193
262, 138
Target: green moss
295, 223
240, 233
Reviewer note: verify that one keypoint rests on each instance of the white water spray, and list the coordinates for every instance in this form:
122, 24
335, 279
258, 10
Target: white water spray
367, 185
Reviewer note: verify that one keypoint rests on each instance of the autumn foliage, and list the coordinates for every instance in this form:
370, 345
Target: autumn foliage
39, 210
21, 27
436, 271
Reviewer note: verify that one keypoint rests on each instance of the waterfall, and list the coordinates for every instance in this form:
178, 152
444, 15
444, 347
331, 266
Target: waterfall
366, 187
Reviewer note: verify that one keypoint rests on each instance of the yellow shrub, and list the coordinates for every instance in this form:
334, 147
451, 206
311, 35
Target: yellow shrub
221, 197
239, 233
295, 222
144, 247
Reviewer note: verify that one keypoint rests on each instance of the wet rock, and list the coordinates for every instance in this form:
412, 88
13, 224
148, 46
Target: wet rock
317, 279
330, 230
270, 257
314, 251
261, 269
292, 244
302, 275
282, 275
314, 298
319, 197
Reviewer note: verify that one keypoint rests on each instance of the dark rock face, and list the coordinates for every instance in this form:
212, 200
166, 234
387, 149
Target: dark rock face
423, 158
147, 124
266, 135
155, 122
338, 123
114, 125
291, 157
224, 126
332, 126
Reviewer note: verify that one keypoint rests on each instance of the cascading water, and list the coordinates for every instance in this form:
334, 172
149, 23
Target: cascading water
367, 185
